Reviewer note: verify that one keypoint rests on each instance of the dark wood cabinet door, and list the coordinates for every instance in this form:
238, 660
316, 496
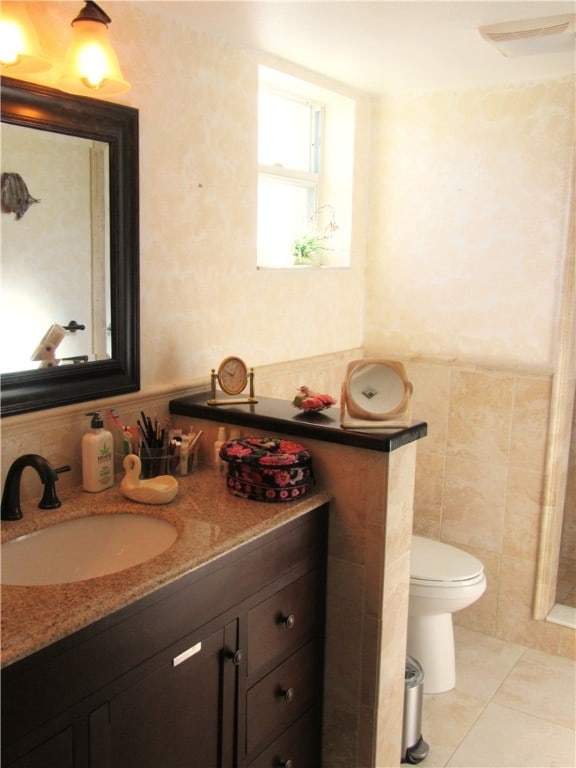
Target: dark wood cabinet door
181, 715
56, 751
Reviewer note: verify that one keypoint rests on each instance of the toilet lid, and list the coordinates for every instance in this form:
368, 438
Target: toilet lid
433, 560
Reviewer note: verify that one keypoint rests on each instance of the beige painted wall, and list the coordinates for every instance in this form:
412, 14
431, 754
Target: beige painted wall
201, 295
468, 230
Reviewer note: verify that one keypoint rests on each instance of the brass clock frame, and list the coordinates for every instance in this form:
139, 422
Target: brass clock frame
236, 386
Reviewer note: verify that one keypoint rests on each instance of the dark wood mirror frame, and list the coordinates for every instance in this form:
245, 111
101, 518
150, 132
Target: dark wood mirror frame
47, 109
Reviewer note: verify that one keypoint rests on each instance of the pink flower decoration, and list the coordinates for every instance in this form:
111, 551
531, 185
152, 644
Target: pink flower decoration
235, 449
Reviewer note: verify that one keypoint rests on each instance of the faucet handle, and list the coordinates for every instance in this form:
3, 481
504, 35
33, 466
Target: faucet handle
49, 498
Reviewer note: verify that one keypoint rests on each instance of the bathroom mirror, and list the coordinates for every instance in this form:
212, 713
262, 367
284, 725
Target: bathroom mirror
376, 394
104, 268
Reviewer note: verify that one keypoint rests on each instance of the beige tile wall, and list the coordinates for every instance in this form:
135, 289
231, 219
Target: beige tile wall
479, 483
57, 433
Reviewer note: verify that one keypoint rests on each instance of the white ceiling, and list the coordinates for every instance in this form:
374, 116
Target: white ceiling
384, 45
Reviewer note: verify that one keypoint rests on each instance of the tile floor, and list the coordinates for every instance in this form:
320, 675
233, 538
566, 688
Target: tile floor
512, 707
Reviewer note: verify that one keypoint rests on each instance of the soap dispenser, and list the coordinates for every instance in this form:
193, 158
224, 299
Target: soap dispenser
97, 456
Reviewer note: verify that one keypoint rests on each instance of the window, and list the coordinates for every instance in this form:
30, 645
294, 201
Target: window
305, 162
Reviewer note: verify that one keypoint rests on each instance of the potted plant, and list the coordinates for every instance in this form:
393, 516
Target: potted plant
311, 247
308, 249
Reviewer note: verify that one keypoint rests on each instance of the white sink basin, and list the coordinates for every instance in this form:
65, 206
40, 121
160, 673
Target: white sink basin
83, 548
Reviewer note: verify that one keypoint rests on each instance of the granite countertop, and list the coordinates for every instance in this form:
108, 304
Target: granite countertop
210, 523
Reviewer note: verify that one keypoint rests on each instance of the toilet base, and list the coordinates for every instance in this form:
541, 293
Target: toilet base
431, 642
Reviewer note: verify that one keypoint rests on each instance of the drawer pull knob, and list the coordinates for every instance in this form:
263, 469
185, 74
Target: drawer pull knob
289, 620
236, 656
287, 694
286, 763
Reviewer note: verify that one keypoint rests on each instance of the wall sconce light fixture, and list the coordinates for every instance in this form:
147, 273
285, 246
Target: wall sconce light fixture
20, 52
91, 66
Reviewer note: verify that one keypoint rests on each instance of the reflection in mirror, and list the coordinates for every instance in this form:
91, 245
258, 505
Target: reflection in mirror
376, 388
81, 240
64, 241
375, 394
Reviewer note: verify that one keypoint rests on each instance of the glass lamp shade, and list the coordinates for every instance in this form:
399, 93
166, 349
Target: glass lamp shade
20, 52
91, 66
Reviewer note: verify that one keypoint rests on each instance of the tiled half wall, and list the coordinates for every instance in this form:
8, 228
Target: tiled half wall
480, 477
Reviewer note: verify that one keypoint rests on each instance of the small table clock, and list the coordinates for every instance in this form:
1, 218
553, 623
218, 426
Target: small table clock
232, 377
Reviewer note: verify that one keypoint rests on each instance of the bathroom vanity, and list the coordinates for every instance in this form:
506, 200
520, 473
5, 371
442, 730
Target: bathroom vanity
218, 662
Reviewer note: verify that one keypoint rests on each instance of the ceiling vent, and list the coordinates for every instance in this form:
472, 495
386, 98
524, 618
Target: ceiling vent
530, 37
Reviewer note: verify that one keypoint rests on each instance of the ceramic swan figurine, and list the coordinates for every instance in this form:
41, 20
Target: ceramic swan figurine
157, 490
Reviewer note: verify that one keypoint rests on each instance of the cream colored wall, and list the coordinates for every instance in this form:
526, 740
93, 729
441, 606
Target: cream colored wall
466, 262
201, 295
469, 222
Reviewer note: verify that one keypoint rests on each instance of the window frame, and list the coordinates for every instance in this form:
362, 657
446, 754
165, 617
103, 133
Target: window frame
320, 180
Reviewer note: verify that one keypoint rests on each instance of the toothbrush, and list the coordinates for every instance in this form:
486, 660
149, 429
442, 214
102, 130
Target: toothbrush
114, 415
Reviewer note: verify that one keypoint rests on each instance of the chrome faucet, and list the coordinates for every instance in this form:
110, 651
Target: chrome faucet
48, 474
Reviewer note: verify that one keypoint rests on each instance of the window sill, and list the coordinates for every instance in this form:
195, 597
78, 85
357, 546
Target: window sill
302, 267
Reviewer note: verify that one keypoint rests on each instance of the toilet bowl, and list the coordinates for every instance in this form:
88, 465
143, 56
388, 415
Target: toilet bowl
443, 580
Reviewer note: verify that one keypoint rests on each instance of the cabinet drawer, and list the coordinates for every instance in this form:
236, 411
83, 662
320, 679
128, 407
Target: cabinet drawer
301, 744
284, 622
281, 697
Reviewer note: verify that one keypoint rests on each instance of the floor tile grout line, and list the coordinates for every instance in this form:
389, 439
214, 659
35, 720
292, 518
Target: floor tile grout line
534, 715
507, 676
525, 652
465, 736
485, 705
490, 700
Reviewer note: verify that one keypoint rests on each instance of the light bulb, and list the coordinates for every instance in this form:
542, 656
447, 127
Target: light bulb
91, 66
20, 52
11, 41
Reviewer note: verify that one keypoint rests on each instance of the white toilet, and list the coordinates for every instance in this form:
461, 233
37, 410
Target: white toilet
443, 579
